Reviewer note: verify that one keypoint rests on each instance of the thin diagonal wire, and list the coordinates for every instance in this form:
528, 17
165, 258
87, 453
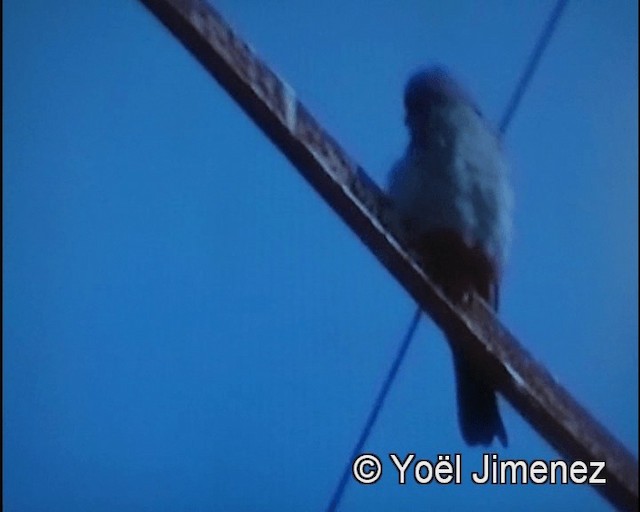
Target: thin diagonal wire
532, 64
512, 106
375, 410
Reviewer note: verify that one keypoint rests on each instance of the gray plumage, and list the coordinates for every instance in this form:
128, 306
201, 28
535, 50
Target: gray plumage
452, 187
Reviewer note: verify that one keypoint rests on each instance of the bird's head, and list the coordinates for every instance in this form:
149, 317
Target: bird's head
427, 88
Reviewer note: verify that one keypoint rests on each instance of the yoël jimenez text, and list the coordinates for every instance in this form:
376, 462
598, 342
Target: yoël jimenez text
494, 471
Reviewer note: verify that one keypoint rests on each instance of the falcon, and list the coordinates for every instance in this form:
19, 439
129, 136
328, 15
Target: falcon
452, 188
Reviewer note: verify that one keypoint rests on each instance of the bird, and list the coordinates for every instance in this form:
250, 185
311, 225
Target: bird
452, 189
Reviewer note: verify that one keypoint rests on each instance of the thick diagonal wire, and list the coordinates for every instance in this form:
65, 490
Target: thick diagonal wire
375, 410
514, 102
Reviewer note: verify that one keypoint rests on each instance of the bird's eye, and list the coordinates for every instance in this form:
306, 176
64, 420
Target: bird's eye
414, 103
420, 104
411, 104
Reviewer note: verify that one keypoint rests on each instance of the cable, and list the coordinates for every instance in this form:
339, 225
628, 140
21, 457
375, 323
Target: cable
532, 65
375, 410
514, 102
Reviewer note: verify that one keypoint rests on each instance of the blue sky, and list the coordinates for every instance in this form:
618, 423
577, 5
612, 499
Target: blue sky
187, 326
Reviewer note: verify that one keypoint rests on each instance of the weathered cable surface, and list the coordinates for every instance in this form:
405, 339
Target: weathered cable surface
361, 204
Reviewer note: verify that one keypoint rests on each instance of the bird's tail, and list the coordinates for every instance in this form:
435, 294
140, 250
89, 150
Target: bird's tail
478, 411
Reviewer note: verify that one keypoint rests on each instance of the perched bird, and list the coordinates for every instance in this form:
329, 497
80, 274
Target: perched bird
452, 188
